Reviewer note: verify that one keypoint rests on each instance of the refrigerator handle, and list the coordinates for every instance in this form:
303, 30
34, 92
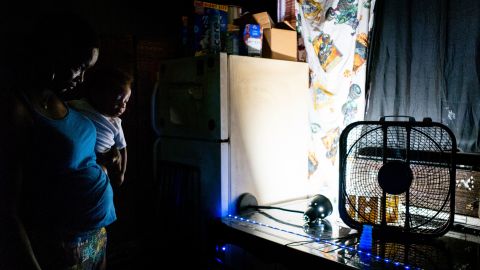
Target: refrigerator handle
155, 159
153, 107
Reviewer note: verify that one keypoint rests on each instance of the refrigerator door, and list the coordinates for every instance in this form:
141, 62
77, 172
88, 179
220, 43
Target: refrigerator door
190, 98
207, 167
191, 187
269, 135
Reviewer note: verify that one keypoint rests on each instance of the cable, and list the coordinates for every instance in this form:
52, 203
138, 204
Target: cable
299, 243
274, 207
318, 240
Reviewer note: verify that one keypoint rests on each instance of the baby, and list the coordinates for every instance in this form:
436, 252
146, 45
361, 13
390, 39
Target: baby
107, 92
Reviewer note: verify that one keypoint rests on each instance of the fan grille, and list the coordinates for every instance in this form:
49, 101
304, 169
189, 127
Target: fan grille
426, 206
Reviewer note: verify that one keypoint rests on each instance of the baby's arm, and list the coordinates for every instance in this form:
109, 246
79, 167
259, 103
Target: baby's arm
123, 154
116, 171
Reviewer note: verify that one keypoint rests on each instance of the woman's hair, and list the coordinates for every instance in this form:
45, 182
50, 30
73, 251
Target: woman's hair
62, 37
53, 41
106, 80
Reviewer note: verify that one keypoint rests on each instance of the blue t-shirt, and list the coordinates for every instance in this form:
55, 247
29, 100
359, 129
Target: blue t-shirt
66, 188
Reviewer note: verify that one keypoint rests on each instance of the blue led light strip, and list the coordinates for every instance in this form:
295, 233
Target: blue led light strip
368, 254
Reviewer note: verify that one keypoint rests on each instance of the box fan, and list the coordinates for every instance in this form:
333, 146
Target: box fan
398, 176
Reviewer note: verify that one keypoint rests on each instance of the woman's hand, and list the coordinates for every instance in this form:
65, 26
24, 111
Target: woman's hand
112, 163
111, 158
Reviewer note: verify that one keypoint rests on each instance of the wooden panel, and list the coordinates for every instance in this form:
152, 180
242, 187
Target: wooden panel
392, 204
467, 192
368, 209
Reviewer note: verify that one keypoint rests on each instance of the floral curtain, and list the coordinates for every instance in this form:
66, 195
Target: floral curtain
335, 34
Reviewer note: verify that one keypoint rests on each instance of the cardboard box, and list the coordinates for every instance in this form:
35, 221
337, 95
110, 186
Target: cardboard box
262, 18
280, 42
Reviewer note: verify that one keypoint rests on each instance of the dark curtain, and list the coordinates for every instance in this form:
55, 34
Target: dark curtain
425, 62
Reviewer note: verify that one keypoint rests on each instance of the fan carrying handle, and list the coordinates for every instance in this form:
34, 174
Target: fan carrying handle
410, 118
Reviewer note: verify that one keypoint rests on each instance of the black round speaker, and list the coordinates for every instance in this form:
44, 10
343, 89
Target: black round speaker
319, 208
246, 203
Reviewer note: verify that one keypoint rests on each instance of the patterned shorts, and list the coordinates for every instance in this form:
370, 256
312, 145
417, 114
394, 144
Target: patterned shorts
85, 251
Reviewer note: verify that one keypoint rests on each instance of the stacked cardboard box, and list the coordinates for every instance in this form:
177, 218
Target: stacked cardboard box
279, 40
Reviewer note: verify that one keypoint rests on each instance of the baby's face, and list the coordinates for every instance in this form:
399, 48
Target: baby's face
117, 104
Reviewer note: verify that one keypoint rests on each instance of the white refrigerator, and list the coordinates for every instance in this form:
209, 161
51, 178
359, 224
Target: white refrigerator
227, 125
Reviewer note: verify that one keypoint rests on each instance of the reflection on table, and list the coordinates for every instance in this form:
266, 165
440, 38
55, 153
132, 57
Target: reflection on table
276, 239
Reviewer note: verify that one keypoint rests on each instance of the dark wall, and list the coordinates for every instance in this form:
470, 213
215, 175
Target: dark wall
139, 17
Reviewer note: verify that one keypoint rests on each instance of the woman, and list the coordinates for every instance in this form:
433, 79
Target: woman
58, 199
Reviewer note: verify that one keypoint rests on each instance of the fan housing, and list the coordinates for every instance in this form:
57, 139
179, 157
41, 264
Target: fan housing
398, 176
